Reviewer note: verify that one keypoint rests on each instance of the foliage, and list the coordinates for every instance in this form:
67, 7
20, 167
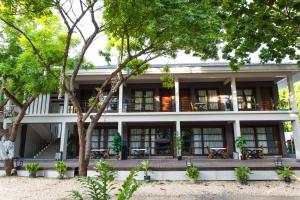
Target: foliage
285, 172
129, 186
193, 173
269, 27
167, 78
61, 168
242, 173
145, 166
117, 143
178, 143
99, 188
241, 142
32, 167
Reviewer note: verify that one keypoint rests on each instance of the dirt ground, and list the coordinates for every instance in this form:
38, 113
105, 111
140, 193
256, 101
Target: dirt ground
15, 188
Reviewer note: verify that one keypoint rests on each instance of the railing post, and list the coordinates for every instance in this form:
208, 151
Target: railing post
234, 94
177, 101
120, 107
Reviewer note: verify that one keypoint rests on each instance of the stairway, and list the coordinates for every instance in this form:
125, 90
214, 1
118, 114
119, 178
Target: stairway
49, 151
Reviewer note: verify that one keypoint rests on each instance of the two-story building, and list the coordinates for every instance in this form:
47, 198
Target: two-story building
209, 106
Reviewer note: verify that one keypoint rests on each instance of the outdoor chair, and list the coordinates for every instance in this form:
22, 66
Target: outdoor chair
224, 153
194, 107
211, 153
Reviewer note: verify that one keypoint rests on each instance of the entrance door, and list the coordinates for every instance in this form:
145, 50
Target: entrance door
185, 100
157, 140
266, 93
166, 101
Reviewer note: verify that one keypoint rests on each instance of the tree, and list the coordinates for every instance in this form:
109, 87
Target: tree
139, 31
267, 26
25, 65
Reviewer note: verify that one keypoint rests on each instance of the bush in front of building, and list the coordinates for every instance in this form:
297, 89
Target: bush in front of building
193, 173
61, 169
242, 174
286, 173
32, 168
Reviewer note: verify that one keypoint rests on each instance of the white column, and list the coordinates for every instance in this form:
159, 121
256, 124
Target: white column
296, 134
120, 107
177, 101
43, 104
234, 94
292, 93
47, 104
178, 134
64, 140
39, 102
120, 128
66, 103
237, 134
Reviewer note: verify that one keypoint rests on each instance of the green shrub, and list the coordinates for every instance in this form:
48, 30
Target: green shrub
33, 167
61, 168
285, 172
117, 143
242, 173
241, 142
100, 188
145, 166
193, 173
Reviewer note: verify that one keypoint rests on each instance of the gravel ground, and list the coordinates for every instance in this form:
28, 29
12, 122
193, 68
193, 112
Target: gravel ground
14, 188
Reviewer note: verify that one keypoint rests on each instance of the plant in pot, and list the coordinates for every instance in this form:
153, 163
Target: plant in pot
146, 168
178, 143
117, 144
32, 168
241, 143
193, 173
61, 169
286, 173
242, 173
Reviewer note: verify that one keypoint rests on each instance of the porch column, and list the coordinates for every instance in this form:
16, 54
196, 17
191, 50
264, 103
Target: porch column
296, 134
177, 102
120, 107
234, 94
120, 130
178, 134
63, 140
292, 93
237, 134
66, 103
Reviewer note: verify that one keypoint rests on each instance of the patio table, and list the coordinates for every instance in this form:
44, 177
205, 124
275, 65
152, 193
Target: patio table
141, 151
217, 151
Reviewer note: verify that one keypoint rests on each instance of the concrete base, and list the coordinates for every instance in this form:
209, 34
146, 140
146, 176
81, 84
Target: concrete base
168, 175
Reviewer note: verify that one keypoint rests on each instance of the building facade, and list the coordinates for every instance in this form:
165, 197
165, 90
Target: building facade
209, 106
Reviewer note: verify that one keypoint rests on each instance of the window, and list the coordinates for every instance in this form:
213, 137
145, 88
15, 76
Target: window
103, 139
158, 140
266, 137
246, 99
143, 100
208, 99
196, 140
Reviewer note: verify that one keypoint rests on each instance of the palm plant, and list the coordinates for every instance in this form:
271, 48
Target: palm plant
242, 173
100, 188
286, 173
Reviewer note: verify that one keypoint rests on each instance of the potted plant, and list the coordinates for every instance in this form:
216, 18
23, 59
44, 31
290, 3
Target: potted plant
117, 144
241, 143
32, 168
61, 169
242, 173
146, 168
193, 173
286, 173
178, 145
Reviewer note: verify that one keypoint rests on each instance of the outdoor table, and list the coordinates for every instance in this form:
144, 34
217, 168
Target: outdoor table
141, 151
217, 151
99, 152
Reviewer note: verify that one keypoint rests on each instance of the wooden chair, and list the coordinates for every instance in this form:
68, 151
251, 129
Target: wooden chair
194, 107
260, 152
225, 153
211, 154
106, 154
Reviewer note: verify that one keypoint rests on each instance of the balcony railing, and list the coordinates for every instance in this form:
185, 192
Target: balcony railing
111, 108
147, 107
205, 107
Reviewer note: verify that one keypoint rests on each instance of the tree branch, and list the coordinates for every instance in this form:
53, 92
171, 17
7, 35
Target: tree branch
12, 97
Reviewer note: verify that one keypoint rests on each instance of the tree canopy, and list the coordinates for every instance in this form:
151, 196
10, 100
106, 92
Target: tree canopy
267, 26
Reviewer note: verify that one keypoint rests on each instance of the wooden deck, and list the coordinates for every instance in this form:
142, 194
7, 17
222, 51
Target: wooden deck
175, 165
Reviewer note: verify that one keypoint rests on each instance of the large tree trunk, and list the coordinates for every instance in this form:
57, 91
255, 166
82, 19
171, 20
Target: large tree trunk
82, 162
88, 145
